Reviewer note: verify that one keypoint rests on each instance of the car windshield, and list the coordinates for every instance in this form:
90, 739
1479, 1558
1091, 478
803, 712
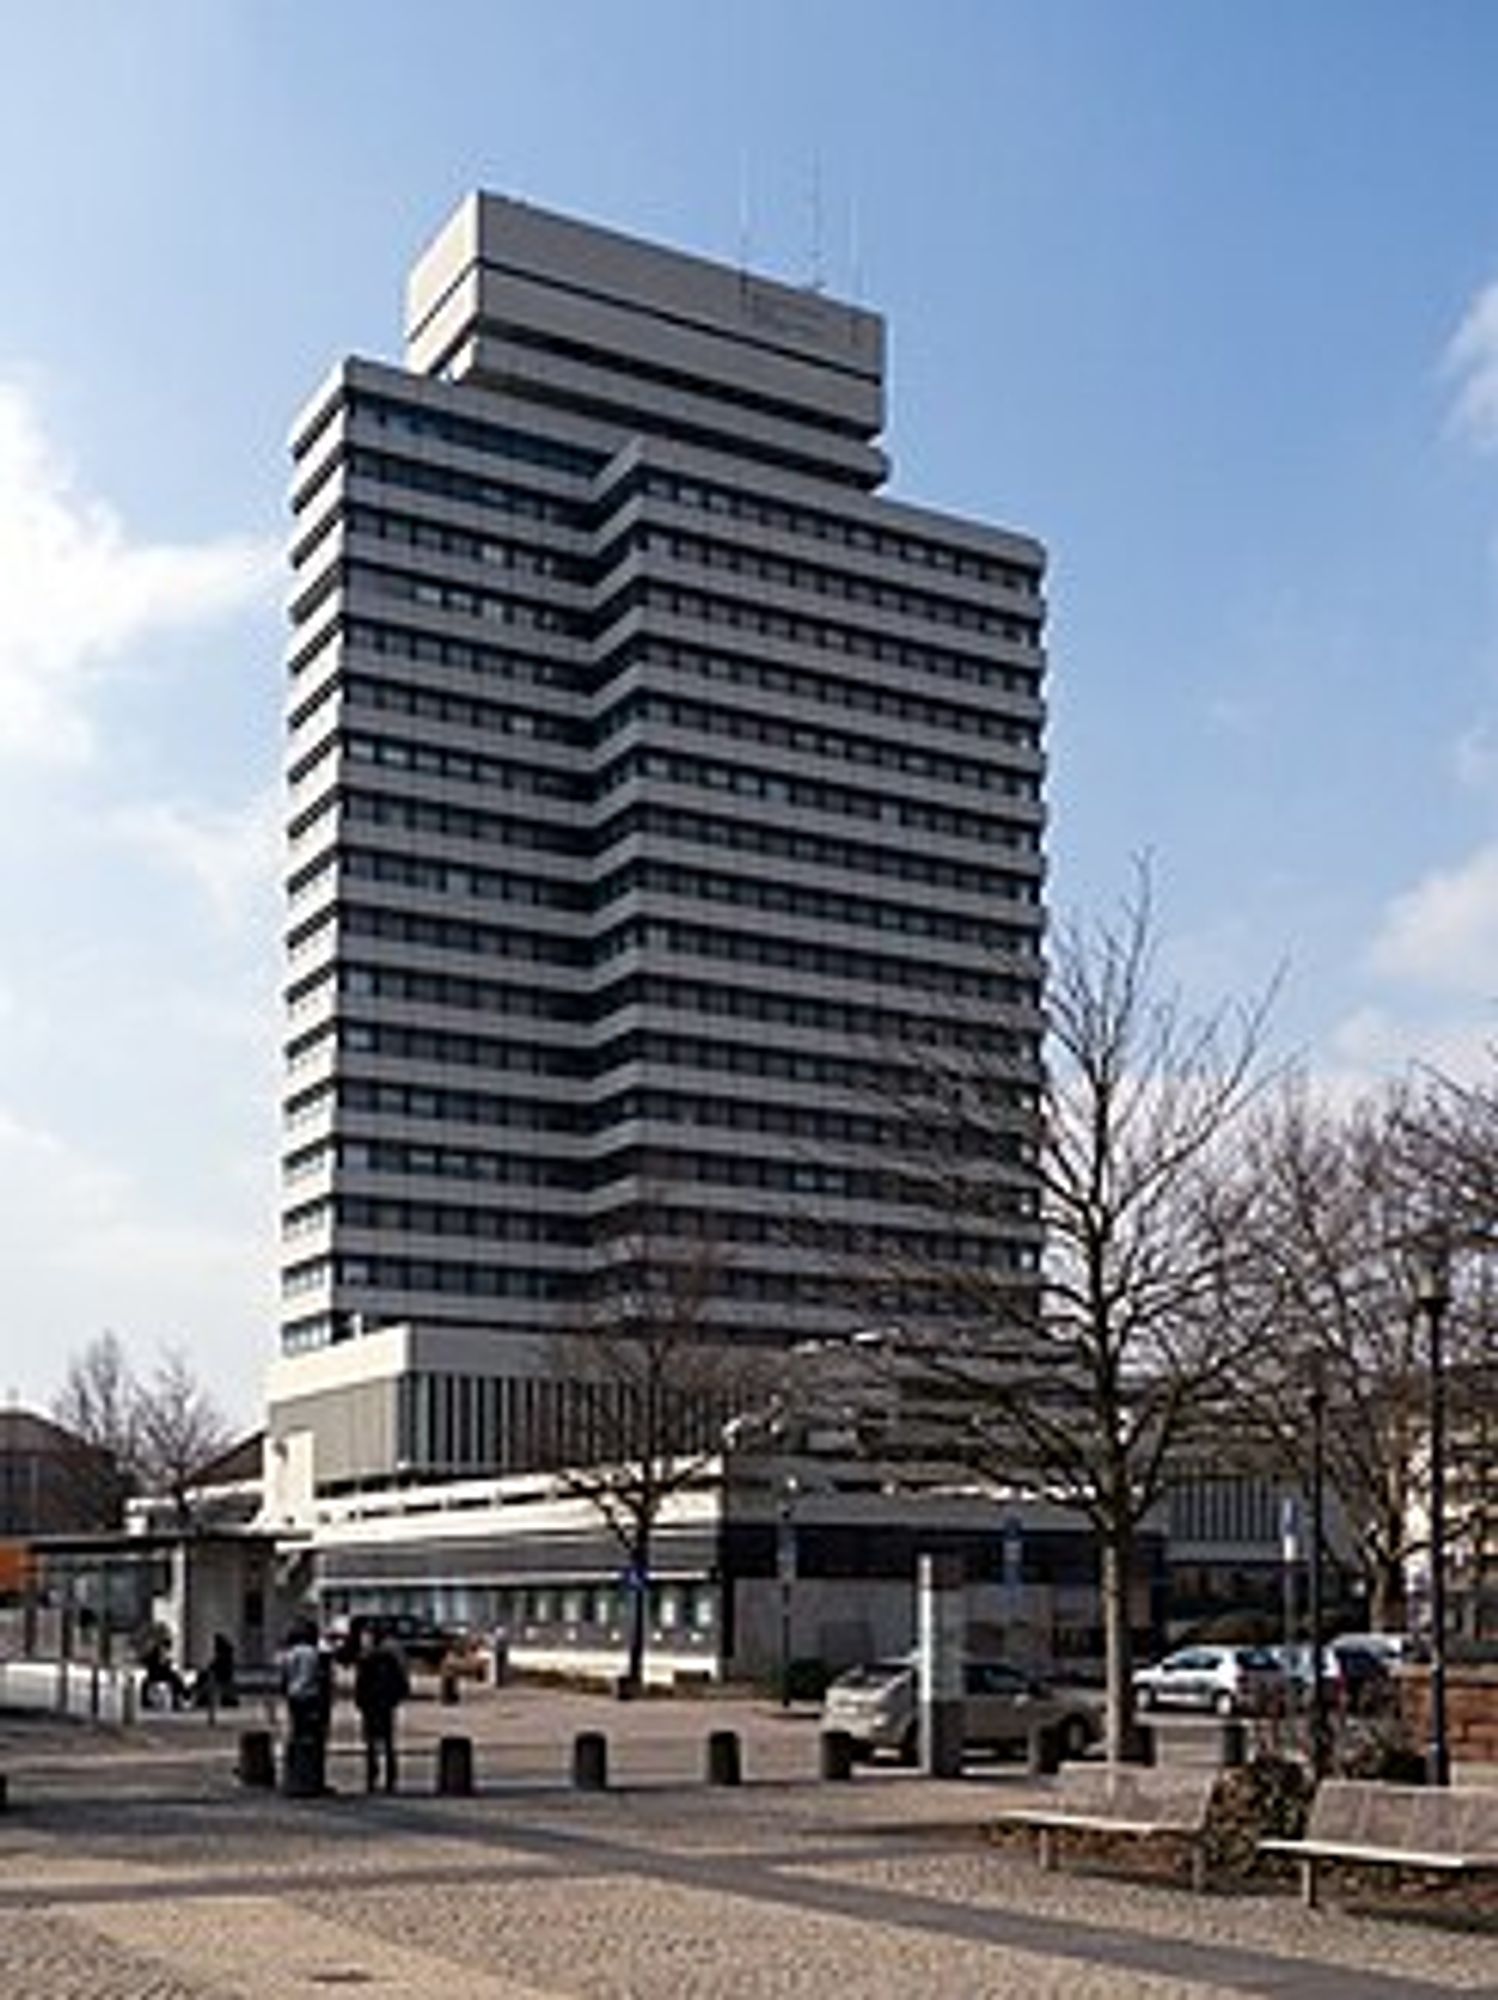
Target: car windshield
879, 1674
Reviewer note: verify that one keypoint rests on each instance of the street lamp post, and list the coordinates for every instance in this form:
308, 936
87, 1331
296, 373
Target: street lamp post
1315, 1606
785, 1563
1433, 1297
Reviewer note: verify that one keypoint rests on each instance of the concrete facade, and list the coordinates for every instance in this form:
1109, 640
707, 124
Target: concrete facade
651, 774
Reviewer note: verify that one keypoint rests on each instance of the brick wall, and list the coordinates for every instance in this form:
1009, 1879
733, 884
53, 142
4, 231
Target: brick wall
1471, 1710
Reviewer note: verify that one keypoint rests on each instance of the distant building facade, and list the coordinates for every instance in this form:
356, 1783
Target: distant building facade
650, 773
51, 1481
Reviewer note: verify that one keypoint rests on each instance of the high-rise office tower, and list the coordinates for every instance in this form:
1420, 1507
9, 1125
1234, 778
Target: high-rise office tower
650, 772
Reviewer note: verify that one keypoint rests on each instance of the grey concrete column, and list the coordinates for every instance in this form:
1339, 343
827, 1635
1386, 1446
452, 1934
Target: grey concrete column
942, 1628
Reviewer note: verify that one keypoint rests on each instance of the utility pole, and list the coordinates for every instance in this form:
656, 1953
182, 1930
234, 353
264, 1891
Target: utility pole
1433, 1297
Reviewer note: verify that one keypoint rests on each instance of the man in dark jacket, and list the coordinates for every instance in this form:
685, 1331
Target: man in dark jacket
380, 1686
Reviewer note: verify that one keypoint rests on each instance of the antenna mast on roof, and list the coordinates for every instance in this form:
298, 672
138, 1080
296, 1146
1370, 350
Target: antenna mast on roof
818, 274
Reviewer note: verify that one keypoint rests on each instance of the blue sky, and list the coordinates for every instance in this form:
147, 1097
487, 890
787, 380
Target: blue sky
1205, 294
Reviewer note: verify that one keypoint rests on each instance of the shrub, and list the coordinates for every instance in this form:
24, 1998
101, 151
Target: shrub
1267, 1799
1381, 1749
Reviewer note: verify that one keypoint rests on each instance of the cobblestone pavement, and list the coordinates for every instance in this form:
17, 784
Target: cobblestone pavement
134, 1869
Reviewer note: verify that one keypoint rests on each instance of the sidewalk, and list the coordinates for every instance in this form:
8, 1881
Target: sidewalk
143, 1873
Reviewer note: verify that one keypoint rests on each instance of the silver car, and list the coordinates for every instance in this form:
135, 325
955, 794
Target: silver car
1227, 1680
876, 1706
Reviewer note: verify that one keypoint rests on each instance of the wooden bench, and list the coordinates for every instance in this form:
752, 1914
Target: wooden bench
1422, 1827
1133, 1799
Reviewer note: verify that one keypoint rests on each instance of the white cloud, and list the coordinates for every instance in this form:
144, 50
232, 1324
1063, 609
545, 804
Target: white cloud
87, 1246
232, 855
1443, 933
1472, 356
1474, 758
1373, 1044
76, 591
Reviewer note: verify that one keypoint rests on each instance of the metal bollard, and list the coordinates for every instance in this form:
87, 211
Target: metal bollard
837, 1756
455, 1767
4, 1792
1234, 1745
590, 1761
724, 1759
257, 1760
448, 1691
1045, 1751
1141, 1744
302, 1775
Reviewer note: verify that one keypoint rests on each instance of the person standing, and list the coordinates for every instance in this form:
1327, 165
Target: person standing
307, 1683
380, 1686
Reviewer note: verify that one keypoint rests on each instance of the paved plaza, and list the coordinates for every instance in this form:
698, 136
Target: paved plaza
133, 1867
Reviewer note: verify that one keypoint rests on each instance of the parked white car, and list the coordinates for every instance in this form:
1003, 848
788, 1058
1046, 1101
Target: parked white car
1002, 1706
1224, 1680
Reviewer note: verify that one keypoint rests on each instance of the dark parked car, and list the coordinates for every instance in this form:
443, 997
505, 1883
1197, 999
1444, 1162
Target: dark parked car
423, 1643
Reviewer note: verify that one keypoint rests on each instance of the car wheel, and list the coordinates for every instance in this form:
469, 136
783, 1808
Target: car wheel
1075, 1737
1224, 1704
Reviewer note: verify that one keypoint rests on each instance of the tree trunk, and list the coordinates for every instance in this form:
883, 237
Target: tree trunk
639, 1609
1388, 1603
1118, 1642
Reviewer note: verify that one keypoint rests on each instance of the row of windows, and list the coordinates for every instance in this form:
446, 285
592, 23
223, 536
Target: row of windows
409, 587
445, 989
442, 538
678, 767
471, 434
931, 1249
456, 934
923, 1250
432, 1045
435, 1218
822, 634
492, 1281
460, 1051
425, 816
844, 1018
702, 718
438, 934
677, 823
763, 1004
663, 1166
423, 1274
892, 545
420, 1101
472, 996
848, 586
379, 638
763, 1115
394, 754
786, 1065
659, 934
831, 906
492, 496
449, 878
783, 843
839, 691
464, 1163
433, 705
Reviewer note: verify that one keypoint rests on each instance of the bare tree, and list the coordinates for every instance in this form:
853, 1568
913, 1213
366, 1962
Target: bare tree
98, 1406
1093, 1377
181, 1430
651, 1383
1341, 1200
151, 1436
1324, 1289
